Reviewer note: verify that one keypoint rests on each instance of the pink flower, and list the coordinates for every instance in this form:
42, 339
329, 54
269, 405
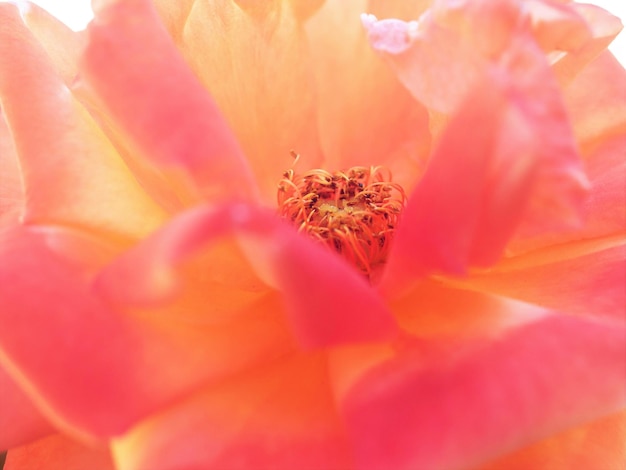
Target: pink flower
158, 312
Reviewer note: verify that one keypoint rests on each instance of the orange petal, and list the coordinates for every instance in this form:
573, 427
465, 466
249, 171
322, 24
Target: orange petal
256, 66
62, 45
157, 102
71, 173
376, 122
327, 302
59, 453
96, 370
20, 421
281, 417
599, 445
429, 409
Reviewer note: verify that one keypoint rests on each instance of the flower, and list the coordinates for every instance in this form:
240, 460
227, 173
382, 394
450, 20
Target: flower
157, 312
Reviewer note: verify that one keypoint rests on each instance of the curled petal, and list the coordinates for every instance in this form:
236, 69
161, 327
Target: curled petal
517, 172
54, 135
11, 189
157, 102
282, 417
603, 28
460, 410
327, 301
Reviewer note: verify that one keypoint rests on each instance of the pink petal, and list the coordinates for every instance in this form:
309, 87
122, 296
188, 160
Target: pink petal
282, 417
59, 453
54, 135
157, 102
98, 370
586, 278
459, 410
518, 171
327, 301
20, 421
604, 210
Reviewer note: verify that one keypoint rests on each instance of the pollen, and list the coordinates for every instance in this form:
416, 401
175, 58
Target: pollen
354, 212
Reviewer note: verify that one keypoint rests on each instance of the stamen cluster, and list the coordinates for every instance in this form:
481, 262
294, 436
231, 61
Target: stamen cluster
354, 211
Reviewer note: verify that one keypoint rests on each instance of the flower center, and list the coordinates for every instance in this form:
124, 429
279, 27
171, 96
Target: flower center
353, 211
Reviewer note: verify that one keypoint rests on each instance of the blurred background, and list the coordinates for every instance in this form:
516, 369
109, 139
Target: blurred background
77, 13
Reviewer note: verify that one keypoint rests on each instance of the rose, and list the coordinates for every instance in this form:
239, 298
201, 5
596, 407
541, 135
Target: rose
214, 335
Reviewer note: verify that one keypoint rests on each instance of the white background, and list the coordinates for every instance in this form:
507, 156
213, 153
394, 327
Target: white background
77, 13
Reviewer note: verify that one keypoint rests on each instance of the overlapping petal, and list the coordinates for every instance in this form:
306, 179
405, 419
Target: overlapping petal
282, 417
376, 121
260, 75
598, 445
53, 134
459, 410
596, 102
306, 275
130, 365
63, 46
517, 172
157, 102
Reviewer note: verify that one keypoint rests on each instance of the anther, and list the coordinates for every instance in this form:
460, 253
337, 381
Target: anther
354, 211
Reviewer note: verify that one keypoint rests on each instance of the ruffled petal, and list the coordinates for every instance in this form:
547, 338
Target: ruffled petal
327, 302
376, 121
20, 421
156, 101
442, 56
59, 453
518, 172
281, 417
54, 135
459, 409
603, 28
255, 63
96, 370
587, 278
599, 445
